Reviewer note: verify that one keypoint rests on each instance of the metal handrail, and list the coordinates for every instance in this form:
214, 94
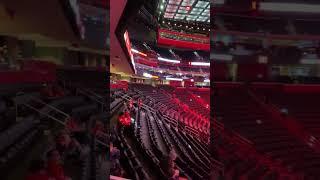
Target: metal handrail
99, 141
52, 107
86, 92
59, 121
93, 93
55, 119
103, 104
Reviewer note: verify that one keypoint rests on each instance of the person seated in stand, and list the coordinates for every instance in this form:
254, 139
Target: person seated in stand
124, 119
73, 125
37, 171
98, 129
113, 136
68, 146
168, 166
114, 157
127, 115
55, 167
76, 129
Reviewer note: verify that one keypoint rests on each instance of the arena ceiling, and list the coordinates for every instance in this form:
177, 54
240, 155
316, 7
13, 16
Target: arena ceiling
105, 4
185, 10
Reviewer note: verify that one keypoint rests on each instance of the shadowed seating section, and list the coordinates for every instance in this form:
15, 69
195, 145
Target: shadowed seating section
32, 121
301, 101
16, 139
257, 25
242, 114
220, 72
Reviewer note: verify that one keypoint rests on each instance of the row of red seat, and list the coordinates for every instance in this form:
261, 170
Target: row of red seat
241, 112
245, 72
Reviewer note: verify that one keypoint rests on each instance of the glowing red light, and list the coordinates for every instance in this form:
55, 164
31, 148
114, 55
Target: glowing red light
125, 119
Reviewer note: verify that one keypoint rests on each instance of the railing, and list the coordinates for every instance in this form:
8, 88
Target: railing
92, 96
117, 178
217, 166
65, 115
29, 105
100, 141
46, 114
50, 106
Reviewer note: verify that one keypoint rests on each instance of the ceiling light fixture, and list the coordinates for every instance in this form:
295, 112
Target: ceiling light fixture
168, 60
174, 79
200, 64
138, 52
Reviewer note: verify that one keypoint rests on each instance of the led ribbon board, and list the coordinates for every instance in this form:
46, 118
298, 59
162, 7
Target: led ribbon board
183, 40
200, 63
129, 49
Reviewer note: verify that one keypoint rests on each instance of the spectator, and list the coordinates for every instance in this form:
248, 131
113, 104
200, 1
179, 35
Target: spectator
71, 124
67, 145
98, 129
78, 129
113, 136
168, 165
55, 168
114, 157
38, 171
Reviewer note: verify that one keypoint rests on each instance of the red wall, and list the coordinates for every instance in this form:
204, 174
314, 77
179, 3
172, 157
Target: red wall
32, 72
183, 44
250, 72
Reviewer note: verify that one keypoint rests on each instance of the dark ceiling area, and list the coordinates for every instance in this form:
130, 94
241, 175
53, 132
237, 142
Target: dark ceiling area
267, 17
96, 25
105, 4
